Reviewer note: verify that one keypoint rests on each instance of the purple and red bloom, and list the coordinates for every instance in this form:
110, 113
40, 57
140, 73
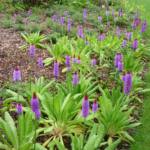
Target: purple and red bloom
75, 78
67, 62
80, 32
85, 107
40, 62
19, 109
56, 69
95, 106
127, 80
32, 50
118, 62
135, 44
144, 26
16, 74
35, 106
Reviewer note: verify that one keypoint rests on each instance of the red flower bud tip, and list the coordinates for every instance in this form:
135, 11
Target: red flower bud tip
34, 95
85, 97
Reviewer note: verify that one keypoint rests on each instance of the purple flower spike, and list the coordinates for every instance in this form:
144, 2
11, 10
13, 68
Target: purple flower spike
144, 26
84, 14
74, 59
118, 58
67, 62
136, 22
127, 83
100, 19
85, 107
19, 109
32, 50
54, 18
17, 74
35, 106
95, 106
128, 35
120, 66
69, 25
40, 62
38, 114
135, 44
75, 79
124, 43
93, 62
101, 37
62, 20
80, 32
56, 69
120, 13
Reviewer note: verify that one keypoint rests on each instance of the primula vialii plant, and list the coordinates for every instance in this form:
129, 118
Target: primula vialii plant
79, 81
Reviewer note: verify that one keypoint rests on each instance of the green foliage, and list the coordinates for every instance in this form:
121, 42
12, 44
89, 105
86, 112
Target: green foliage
18, 137
116, 117
62, 116
34, 38
6, 22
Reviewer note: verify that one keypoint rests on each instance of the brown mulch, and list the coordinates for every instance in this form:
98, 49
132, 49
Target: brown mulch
11, 56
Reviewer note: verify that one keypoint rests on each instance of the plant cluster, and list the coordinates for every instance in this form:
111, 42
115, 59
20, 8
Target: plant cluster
93, 106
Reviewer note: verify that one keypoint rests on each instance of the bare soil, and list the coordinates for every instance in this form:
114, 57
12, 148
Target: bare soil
11, 56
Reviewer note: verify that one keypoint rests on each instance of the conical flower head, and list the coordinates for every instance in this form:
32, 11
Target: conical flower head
16, 74
84, 14
95, 106
69, 25
101, 37
74, 59
35, 106
56, 69
62, 20
100, 19
128, 35
54, 18
32, 50
124, 43
40, 62
85, 107
118, 58
135, 44
80, 32
19, 109
67, 61
93, 62
127, 83
120, 66
75, 78
144, 26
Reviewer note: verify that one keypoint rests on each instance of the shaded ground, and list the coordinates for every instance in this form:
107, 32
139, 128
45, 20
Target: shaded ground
11, 56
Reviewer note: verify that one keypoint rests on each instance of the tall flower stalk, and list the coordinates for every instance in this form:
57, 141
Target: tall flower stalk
127, 80
75, 78
56, 69
85, 106
36, 110
17, 74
